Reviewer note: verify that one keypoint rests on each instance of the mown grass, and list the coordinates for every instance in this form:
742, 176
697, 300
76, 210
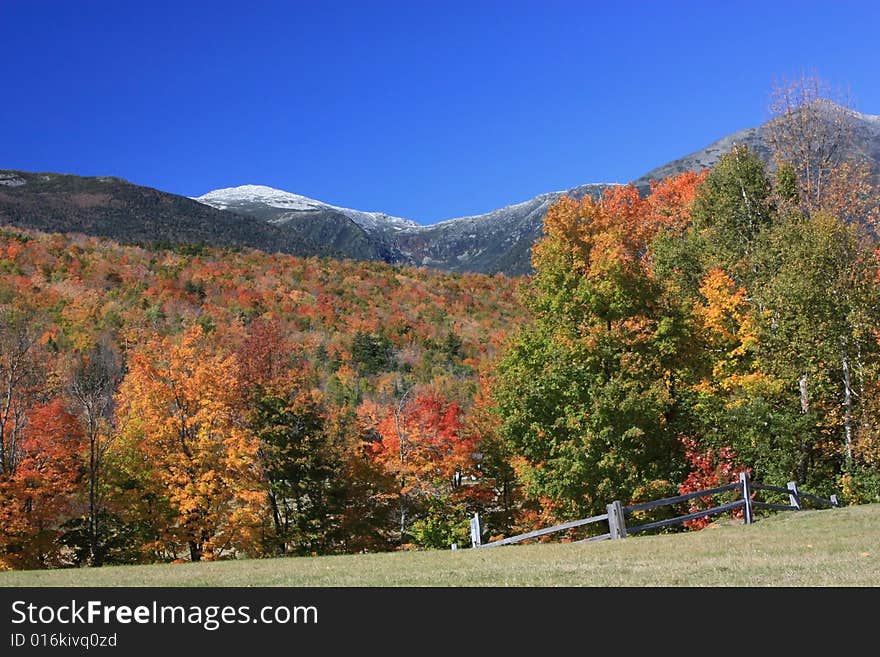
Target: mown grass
837, 547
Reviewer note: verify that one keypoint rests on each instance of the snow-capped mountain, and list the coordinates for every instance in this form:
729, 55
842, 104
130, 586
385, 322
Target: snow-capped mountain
248, 196
499, 240
274, 220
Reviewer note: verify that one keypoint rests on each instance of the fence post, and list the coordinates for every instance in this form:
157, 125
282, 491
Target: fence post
794, 498
834, 501
616, 521
476, 531
747, 497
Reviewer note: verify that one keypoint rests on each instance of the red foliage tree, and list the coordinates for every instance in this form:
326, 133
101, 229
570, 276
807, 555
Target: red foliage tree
710, 468
424, 446
40, 494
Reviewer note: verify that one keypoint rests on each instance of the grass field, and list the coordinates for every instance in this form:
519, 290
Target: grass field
837, 547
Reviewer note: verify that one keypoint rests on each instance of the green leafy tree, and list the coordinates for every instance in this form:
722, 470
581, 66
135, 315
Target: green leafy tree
92, 386
371, 353
819, 332
588, 393
732, 206
299, 468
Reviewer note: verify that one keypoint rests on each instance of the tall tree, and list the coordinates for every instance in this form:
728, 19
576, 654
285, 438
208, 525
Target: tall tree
93, 384
731, 207
588, 393
422, 443
813, 132
819, 328
740, 406
300, 469
497, 496
182, 401
39, 496
22, 371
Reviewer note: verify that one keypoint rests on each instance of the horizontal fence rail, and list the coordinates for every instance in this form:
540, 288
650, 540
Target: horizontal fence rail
617, 513
547, 530
644, 506
690, 516
821, 500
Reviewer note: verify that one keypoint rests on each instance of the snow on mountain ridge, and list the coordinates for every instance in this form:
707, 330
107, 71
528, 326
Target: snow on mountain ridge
514, 208
278, 198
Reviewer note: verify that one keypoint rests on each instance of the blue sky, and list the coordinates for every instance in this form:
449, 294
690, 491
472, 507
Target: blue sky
426, 110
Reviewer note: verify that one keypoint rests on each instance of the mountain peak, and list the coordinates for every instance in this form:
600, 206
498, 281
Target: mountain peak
248, 197
276, 198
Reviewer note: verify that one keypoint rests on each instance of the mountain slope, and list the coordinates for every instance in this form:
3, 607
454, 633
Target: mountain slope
274, 220
706, 158
865, 141
359, 235
114, 208
497, 241
866, 134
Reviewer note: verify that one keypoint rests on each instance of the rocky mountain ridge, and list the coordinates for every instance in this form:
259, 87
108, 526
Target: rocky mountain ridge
274, 220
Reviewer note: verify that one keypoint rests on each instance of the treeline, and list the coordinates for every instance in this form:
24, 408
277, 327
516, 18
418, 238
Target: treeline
200, 404
726, 322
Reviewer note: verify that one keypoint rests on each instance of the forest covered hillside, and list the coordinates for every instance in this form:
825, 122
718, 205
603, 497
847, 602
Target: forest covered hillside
328, 349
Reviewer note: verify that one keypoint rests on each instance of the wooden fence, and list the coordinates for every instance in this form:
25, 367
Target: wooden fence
616, 513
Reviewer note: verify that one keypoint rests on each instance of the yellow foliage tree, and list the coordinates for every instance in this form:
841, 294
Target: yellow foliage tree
727, 321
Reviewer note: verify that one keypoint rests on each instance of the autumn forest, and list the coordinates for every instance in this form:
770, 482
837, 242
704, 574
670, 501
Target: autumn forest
197, 403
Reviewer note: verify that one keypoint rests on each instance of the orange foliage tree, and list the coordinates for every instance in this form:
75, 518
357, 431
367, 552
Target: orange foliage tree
181, 404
